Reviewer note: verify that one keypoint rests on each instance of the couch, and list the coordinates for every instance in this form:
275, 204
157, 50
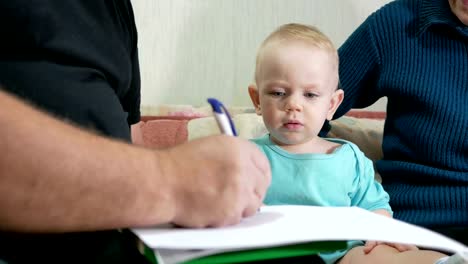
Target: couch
166, 126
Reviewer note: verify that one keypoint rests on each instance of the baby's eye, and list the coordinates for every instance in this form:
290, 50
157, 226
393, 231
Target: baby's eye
277, 93
310, 95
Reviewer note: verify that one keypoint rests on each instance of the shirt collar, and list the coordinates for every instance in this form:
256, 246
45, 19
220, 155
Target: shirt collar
438, 12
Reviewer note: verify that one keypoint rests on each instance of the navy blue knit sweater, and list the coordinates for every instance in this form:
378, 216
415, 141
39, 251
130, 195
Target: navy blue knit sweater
415, 52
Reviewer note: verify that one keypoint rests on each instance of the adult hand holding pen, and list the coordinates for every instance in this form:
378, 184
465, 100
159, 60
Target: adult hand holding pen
215, 181
225, 179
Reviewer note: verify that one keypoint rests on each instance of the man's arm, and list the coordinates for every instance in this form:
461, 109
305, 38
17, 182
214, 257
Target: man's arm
359, 68
55, 177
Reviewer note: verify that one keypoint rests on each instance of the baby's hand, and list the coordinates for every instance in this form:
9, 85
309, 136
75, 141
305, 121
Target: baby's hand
370, 245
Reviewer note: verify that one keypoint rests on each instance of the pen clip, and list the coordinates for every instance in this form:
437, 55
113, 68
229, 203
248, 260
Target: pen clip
222, 117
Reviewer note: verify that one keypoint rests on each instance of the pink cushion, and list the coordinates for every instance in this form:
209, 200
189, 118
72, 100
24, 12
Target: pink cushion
160, 133
367, 114
167, 131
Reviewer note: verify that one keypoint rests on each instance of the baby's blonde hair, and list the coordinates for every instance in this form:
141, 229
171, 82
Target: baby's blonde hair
298, 32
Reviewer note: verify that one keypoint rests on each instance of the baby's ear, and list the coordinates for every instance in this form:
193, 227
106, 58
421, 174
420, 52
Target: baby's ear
335, 101
255, 97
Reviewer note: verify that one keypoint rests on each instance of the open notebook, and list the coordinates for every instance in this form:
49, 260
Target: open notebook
292, 229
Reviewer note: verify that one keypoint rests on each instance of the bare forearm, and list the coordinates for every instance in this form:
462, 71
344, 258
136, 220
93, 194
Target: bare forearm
55, 177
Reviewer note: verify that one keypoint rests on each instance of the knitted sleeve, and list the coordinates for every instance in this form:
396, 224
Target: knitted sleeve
359, 68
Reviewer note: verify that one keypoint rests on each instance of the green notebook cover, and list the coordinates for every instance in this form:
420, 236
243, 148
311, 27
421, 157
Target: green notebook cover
259, 254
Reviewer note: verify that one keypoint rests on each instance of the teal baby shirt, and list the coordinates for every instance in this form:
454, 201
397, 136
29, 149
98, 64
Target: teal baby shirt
342, 178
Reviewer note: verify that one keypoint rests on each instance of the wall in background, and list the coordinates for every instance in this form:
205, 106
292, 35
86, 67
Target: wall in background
194, 49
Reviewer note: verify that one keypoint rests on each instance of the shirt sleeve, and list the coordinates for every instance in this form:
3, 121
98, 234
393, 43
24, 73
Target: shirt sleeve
367, 192
131, 103
359, 68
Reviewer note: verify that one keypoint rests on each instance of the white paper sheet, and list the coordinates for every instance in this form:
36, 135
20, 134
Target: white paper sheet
282, 225
173, 256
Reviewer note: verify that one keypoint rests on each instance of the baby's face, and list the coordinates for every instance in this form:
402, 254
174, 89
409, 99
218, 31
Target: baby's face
296, 84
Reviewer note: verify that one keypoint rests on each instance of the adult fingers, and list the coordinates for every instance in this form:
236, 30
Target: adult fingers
369, 246
261, 173
405, 247
253, 205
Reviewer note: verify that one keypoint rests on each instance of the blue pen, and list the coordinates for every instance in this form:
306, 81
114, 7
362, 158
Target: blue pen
223, 118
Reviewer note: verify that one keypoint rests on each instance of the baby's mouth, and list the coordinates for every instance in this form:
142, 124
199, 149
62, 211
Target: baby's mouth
293, 125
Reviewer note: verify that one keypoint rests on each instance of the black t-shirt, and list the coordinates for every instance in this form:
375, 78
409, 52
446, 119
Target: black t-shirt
77, 60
